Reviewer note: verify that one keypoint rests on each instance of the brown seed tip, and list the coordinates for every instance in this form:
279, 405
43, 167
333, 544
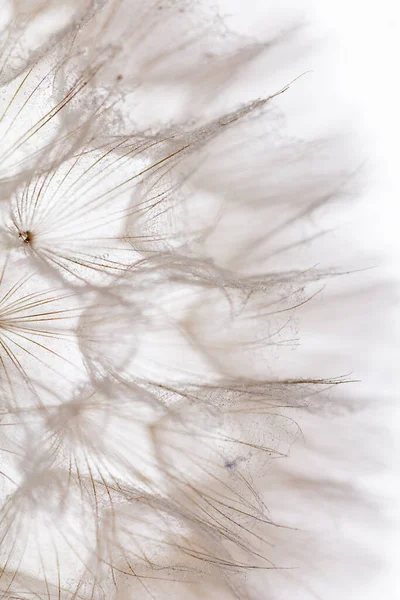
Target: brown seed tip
26, 236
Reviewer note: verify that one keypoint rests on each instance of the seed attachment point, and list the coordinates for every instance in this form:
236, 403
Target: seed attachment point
26, 236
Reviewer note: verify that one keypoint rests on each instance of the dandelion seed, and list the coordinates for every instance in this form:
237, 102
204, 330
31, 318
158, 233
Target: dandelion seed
157, 246
37, 335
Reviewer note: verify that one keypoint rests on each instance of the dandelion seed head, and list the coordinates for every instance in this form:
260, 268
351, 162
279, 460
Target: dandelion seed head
160, 242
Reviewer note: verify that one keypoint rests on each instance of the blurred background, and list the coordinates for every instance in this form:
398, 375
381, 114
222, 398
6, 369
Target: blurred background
349, 54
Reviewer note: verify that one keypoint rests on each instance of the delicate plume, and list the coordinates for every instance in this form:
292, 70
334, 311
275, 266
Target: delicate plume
162, 241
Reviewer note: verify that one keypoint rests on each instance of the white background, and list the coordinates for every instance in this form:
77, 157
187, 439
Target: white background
355, 55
